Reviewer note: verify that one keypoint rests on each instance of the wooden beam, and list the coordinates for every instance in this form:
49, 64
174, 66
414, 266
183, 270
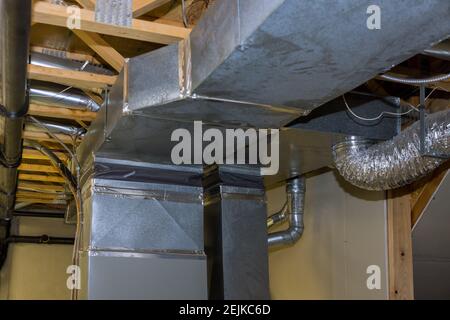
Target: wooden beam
66, 54
37, 168
141, 7
40, 201
42, 136
88, 4
61, 113
54, 146
77, 79
102, 48
427, 194
400, 258
47, 13
41, 178
40, 195
39, 186
30, 154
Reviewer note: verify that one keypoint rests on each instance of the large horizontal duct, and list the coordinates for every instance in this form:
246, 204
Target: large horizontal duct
397, 162
269, 66
61, 96
266, 62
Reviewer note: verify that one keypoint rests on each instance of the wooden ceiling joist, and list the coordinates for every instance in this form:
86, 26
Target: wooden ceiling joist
40, 195
141, 7
37, 168
66, 54
47, 13
42, 136
102, 48
41, 201
88, 4
60, 112
39, 186
30, 154
77, 79
40, 178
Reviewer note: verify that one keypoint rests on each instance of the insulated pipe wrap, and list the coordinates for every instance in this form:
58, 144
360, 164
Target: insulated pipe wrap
397, 162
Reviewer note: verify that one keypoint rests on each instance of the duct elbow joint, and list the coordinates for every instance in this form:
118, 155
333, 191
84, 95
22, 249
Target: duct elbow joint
296, 196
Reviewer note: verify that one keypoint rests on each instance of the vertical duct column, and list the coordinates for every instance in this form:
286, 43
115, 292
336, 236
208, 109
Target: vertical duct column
15, 20
236, 236
143, 232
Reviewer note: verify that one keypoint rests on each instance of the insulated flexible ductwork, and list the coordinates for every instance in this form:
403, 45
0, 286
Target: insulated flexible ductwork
61, 96
295, 190
397, 162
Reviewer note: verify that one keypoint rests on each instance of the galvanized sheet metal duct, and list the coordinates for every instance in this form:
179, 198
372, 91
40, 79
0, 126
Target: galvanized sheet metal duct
301, 54
60, 96
61, 128
15, 19
45, 60
397, 162
295, 190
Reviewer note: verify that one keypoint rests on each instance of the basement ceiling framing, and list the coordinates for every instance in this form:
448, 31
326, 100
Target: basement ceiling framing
155, 23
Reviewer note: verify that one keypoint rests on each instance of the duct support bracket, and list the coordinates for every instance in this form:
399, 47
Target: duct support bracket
424, 148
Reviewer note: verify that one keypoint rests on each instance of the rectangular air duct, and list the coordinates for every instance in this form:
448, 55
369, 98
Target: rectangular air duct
248, 63
236, 235
142, 232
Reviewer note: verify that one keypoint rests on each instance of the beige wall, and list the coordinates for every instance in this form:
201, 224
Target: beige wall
345, 232
35, 271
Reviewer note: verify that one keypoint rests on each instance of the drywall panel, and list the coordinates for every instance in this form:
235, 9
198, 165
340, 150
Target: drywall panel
36, 271
431, 250
345, 233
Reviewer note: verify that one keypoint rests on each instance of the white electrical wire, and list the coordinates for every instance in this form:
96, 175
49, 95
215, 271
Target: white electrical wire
385, 113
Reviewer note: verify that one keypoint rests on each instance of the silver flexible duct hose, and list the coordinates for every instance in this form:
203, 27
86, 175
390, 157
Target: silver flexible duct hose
414, 81
295, 190
397, 162
57, 95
